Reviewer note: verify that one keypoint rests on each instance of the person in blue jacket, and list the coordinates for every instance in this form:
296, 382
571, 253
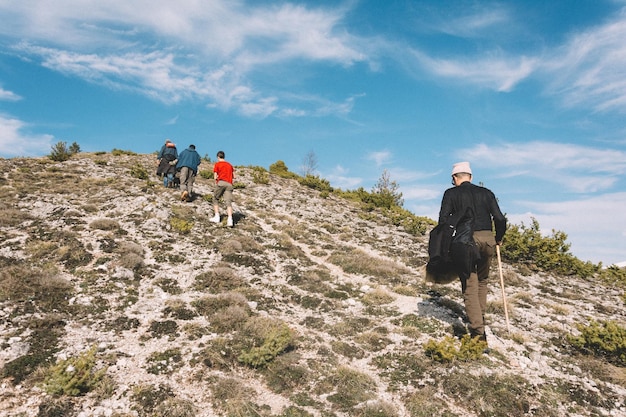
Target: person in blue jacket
188, 162
166, 163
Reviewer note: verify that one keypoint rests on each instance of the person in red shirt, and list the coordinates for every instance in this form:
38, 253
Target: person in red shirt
224, 174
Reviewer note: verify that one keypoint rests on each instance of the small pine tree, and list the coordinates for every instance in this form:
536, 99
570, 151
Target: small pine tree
60, 152
74, 148
387, 191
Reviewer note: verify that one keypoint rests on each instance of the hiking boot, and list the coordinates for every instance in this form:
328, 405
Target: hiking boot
184, 195
215, 219
229, 222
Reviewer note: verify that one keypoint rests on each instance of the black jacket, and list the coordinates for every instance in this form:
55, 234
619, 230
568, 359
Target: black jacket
483, 202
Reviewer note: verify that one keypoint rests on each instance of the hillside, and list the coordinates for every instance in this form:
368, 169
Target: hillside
309, 306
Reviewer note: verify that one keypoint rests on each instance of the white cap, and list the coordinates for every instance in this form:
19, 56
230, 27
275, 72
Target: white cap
461, 167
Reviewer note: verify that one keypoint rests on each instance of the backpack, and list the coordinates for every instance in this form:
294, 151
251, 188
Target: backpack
452, 252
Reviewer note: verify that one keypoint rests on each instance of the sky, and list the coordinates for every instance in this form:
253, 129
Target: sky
532, 93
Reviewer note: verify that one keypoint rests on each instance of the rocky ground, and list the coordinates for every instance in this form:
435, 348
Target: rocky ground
94, 255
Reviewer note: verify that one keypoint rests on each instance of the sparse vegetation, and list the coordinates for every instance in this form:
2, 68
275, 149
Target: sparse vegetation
605, 339
308, 306
180, 225
260, 175
60, 152
74, 376
526, 245
447, 349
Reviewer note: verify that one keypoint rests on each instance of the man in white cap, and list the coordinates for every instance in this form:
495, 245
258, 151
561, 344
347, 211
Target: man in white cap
485, 209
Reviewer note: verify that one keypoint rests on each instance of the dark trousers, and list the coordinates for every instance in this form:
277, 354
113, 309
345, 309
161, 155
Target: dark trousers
475, 287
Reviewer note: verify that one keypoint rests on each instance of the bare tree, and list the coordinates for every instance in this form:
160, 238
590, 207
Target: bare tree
309, 164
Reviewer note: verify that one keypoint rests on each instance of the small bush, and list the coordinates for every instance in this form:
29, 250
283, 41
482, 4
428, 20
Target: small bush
315, 182
74, 376
279, 168
207, 175
140, 172
526, 245
180, 225
605, 339
60, 152
277, 340
74, 148
119, 152
260, 175
447, 351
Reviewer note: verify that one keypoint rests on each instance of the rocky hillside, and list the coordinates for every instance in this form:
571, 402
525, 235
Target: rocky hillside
117, 299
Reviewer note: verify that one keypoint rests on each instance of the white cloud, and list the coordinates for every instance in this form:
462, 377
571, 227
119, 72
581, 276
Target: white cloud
577, 168
379, 157
595, 226
6, 95
471, 23
495, 72
590, 69
15, 141
184, 50
339, 177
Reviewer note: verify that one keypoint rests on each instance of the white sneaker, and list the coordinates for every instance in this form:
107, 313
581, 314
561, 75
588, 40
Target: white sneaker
215, 219
229, 222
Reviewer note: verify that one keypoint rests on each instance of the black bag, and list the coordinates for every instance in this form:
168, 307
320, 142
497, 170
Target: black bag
451, 249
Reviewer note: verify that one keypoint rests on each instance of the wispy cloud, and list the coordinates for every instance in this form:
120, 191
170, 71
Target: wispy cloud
16, 141
379, 157
469, 23
339, 177
188, 50
6, 95
590, 69
496, 72
577, 168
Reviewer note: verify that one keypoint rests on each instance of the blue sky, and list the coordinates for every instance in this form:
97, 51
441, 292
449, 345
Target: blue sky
531, 93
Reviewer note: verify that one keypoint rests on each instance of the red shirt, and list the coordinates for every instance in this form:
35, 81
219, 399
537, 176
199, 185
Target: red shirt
223, 171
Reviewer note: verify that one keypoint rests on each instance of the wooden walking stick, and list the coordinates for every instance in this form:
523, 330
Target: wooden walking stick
506, 310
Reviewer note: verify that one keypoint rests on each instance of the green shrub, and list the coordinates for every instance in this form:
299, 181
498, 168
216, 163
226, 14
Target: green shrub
60, 152
614, 276
74, 148
180, 225
277, 341
119, 152
446, 350
139, 171
415, 225
526, 245
207, 175
605, 339
279, 168
260, 175
315, 182
74, 376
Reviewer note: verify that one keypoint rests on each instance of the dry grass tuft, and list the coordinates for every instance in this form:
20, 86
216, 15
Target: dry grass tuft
104, 224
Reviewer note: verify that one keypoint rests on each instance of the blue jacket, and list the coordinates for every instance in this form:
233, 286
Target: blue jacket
189, 158
168, 150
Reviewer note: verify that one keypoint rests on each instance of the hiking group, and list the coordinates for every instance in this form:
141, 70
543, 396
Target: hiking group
170, 163
463, 244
